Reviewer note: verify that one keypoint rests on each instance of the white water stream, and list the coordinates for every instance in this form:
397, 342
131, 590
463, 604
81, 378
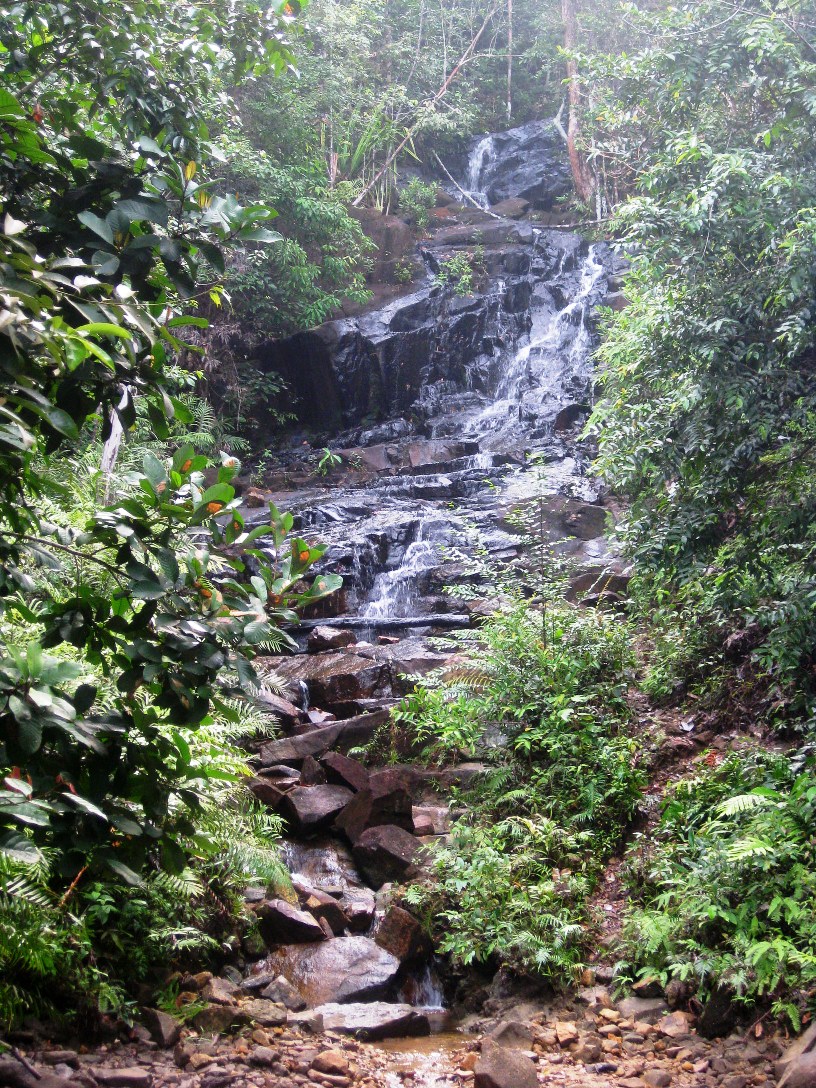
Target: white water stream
481, 155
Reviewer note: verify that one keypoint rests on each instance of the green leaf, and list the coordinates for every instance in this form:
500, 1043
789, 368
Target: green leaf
97, 225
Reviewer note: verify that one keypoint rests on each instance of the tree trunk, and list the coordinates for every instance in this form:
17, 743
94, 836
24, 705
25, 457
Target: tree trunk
581, 174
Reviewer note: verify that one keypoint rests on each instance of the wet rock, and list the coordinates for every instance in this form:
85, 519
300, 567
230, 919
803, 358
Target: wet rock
345, 969
330, 638
528, 161
348, 733
334, 677
386, 800
282, 992
374, 1020
401, 934
514, 207
281, 923
359, 908
265, 1013
310, 808
500, 1067
325, 908
311, 773
386, 853
569, 416
718, 1015
164, 1029
343, 771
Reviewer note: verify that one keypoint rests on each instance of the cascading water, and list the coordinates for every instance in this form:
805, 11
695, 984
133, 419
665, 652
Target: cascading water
537, 375
394, 592
479, 158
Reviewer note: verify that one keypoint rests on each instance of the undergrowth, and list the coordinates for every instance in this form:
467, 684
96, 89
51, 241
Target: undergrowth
538, 693
722, 893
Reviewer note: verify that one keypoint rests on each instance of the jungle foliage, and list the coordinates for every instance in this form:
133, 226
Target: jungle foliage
707, 420
540, 697
128, 613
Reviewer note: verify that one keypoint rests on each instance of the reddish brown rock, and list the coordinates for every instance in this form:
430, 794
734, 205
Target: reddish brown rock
343, 771
330, 638
325, 907
281, 923
386, 800
345, 734
499, 1067
311, 773
266, 792
401, 934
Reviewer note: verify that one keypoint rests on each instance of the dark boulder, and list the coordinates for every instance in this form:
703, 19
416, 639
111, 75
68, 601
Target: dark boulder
309, 808
386, 853
311, 773
329, 638
401, 934
325, 907
348, 733
529, 161
342, 771
386, 800
280, 923
719, 1014
266, 792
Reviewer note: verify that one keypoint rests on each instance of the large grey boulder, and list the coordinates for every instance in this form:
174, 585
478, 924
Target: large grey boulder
374, 1020
345, 969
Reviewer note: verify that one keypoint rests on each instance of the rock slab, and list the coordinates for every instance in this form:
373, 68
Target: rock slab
500, 1067
346, 969
373, 1020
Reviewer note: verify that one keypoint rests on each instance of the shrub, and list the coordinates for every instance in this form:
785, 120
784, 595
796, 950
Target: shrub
723, 893
416, 199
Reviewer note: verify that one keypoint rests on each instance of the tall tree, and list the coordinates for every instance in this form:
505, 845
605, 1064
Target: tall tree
581, 173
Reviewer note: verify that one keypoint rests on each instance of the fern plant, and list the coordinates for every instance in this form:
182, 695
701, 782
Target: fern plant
724, 894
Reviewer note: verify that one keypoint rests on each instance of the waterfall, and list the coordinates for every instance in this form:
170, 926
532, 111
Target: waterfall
480, 157
537, 374
395, 591
423, 988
